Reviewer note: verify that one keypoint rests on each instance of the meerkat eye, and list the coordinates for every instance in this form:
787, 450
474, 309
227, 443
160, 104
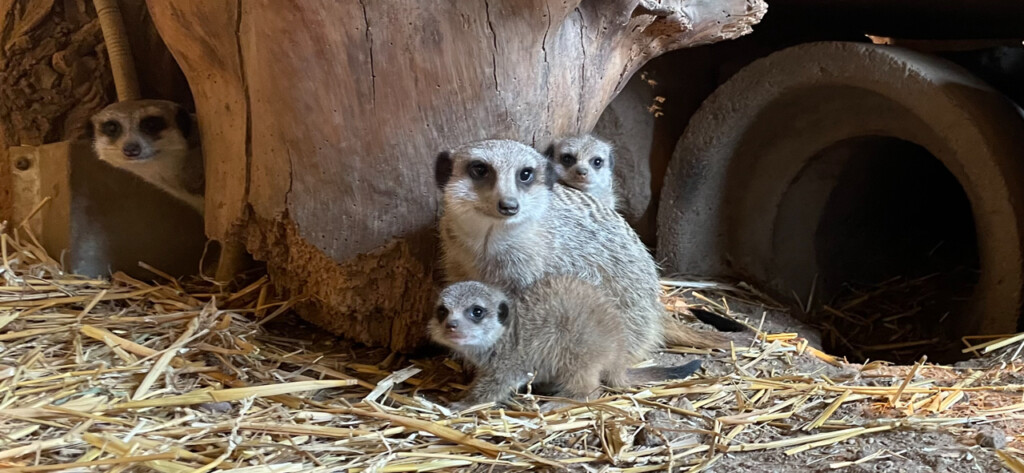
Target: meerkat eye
110, 128
478, 170
568, 159
442, 313
152, 125
477, 312
526, 175
597, 162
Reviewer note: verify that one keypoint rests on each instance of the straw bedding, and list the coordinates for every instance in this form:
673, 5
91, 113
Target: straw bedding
126, 375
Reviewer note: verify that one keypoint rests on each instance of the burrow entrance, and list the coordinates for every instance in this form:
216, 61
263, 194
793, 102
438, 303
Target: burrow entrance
879, 188
895, 247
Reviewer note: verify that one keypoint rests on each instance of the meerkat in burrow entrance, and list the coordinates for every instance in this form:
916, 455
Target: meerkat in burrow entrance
586, 163
561, 332
505, 223
157, 140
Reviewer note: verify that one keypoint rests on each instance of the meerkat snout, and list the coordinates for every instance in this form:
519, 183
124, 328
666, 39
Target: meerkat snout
508, 206
131, 149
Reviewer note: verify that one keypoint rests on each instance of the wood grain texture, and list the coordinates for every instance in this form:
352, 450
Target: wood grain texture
348, 102
204, 38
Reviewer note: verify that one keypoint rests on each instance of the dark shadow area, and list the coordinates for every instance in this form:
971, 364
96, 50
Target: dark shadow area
896, 251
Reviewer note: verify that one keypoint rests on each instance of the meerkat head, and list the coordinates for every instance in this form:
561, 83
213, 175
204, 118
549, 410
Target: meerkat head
135, 131
582, 162
500, 180
470, 318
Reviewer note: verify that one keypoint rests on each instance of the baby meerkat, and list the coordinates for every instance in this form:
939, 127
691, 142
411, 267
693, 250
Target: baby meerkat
505, 223
586, 163
561, 332
156, 140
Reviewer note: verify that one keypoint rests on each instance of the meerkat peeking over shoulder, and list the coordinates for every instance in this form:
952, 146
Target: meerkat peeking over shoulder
156, 140
586, 163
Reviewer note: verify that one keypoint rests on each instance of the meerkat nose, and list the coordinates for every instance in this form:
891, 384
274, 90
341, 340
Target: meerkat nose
131, 150
508, 206
582, 171
451, 325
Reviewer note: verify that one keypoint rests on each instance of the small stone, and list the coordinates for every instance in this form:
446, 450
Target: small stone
216, 407
991, 437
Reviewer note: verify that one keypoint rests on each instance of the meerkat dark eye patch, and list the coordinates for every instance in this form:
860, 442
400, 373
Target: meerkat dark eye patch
476, 313
597, 162
503, 313
110, 128
443, 168
567, 159
153, 125
442, 313
477, 170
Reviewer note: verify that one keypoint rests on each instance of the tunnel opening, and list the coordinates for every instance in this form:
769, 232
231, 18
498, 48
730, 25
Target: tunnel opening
895, 248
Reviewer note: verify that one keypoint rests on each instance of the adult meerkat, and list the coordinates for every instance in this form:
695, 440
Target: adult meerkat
561, 331
156, 140
507, 224
586, 163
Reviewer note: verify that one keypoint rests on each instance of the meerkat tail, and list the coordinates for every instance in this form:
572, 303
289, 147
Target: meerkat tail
723, 324
660, 373
679, 334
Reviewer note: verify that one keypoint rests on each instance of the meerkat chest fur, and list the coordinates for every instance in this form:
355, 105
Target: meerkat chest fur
492, 251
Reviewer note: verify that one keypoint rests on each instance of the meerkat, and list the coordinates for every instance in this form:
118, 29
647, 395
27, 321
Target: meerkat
586, 163
504, 222
156, 140
561, 331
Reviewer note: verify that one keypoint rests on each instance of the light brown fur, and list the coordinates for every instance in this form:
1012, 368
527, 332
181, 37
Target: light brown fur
562, 330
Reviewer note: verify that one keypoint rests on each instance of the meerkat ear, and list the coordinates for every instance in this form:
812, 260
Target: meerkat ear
550, 152
549, 174
503, 313
611, 160
87, 130
184, 121
443, 168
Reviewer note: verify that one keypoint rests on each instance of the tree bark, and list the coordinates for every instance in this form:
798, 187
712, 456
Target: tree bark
320, 122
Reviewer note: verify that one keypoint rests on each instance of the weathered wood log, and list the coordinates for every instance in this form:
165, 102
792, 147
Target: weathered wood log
320, 122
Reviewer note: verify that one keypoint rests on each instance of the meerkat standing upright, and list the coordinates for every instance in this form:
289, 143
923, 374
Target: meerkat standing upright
156, 140
561, 330
505, 223
586, 163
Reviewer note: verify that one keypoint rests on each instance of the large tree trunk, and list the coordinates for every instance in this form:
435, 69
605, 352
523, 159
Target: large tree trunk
321, 120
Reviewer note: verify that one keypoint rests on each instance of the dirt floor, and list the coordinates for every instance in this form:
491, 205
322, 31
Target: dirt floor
134, 376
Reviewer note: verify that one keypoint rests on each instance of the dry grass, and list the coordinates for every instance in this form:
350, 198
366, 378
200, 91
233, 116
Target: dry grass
125, 375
